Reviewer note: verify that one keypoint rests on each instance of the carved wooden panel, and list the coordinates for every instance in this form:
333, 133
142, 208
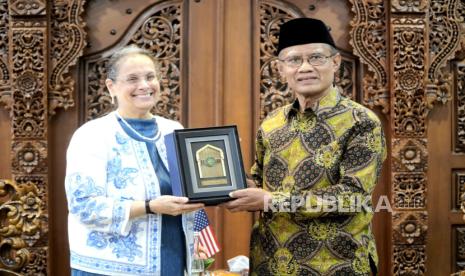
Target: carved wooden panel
368, 37
409, 237
29, 145
29, 80
27, 7
458, 188
409, 107
409, 155
409, 227
445, 17
459, 241
459, 109
413, 6
158, 30
274, 92
409, 260
67, 44
5, 93
409, 190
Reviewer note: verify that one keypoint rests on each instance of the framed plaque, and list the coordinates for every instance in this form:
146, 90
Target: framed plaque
205, 164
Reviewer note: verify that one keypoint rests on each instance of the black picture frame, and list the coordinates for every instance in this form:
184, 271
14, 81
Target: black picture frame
205, 164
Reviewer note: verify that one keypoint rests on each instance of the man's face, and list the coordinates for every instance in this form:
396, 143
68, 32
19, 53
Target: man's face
309, 68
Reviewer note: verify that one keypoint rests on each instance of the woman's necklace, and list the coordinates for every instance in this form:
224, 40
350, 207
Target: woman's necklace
135, 131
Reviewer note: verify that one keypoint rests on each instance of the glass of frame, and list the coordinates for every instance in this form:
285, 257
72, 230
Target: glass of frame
205, 164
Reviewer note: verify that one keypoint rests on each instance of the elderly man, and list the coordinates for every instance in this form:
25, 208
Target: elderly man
317, 163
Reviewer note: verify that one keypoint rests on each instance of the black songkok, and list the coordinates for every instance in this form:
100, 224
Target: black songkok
303, 31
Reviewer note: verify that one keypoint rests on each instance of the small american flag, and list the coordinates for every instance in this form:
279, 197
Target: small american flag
207, 238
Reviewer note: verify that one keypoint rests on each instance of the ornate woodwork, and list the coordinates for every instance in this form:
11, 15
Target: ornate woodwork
458, 188
444, 40
409, 260
29, 145
159, 31
27, 7
368, 37
409, 155
409, 238
29, 80
274, 91
409, 108
459, 109
409, 190
419, 79
5, 93
24, 86
459, 258
413, 6
67, 43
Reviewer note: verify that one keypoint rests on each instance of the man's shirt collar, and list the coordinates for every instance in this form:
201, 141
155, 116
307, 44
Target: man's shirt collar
323, 105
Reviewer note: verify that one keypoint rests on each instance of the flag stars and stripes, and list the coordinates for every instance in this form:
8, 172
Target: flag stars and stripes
207, 238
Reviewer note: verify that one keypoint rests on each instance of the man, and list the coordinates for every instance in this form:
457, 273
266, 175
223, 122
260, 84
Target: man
317, 163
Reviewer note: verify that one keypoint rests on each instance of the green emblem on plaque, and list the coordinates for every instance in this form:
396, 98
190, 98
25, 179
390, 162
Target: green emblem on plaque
210, 161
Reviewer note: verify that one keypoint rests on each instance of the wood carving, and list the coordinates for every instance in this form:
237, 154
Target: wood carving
22, 218
412, 6
409, 237
445, 17
5, 90
159, 33
409, 155
368, 37
458, 188
274, 91
28, 81
27, 7
459, 112
410, 227
409, 107
409, 260
24, 242
409, 191
460, 248
67, 43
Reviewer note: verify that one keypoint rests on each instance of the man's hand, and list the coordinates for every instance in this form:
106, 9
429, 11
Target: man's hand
173, 205
250, 199
251, 183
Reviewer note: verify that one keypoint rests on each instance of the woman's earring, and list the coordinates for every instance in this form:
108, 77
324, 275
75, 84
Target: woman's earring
113, 100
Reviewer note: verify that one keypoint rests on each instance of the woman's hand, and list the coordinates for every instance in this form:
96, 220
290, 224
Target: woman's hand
173, 205
200, 252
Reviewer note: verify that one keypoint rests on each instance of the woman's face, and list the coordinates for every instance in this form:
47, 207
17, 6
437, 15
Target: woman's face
136, 86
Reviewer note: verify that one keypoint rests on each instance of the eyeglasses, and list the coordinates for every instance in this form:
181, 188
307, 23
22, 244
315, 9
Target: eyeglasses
134, 79
297, 61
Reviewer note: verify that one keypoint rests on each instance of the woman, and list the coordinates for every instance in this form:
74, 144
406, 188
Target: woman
123, 219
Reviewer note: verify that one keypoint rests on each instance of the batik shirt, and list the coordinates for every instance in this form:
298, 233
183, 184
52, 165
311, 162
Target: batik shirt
321, 167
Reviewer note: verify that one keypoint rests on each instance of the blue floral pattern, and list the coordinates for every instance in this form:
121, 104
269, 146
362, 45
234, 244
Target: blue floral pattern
123, 142
122, 246
119, 176
104, 173
82, 200
97, 239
